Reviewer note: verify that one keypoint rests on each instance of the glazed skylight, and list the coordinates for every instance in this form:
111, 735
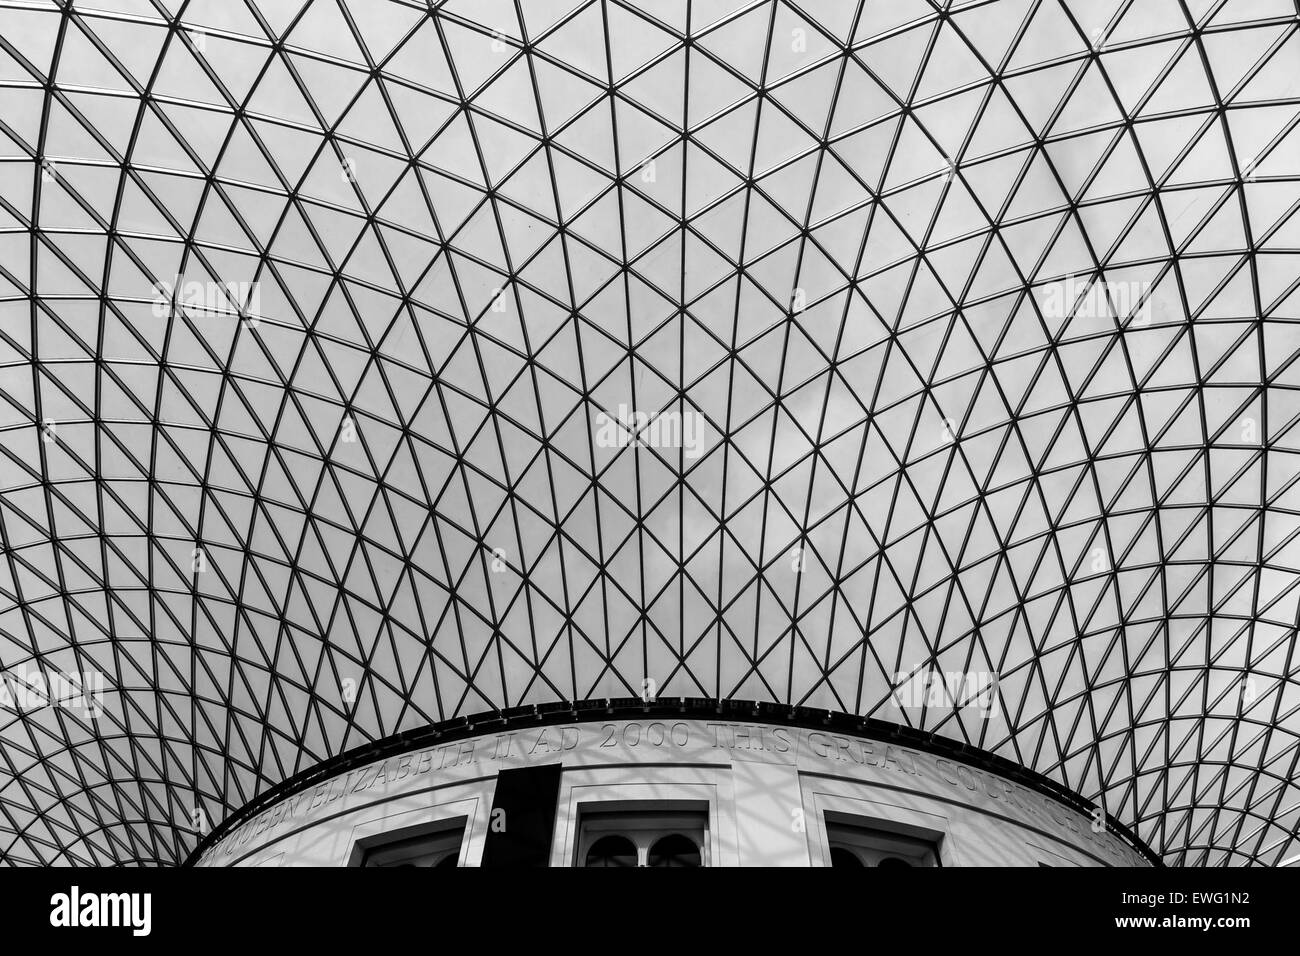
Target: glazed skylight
368, 364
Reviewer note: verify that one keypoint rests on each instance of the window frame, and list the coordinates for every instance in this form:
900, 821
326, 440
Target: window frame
642, 787
644, 823
364, 845
869, 831
821, 803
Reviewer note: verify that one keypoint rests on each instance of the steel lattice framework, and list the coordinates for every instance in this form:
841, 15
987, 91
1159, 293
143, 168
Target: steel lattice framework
985, 314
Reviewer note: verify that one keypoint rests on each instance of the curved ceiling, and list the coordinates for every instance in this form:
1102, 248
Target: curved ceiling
962, 335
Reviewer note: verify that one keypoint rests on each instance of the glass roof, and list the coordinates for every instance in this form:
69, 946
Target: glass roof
367, 364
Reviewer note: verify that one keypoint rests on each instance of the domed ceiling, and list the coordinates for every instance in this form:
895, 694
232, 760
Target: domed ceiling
368, 364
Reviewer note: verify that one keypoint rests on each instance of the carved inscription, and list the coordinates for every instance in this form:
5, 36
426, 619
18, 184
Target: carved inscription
869, 753
634, 734
750, 737
660, 736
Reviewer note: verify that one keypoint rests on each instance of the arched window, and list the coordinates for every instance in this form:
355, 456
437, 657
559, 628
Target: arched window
674, 850
612, 851
859, 841
843, 857
439, 849
424, 846
644, 833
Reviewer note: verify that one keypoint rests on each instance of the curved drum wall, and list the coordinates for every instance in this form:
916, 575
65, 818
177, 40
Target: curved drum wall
768, 791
